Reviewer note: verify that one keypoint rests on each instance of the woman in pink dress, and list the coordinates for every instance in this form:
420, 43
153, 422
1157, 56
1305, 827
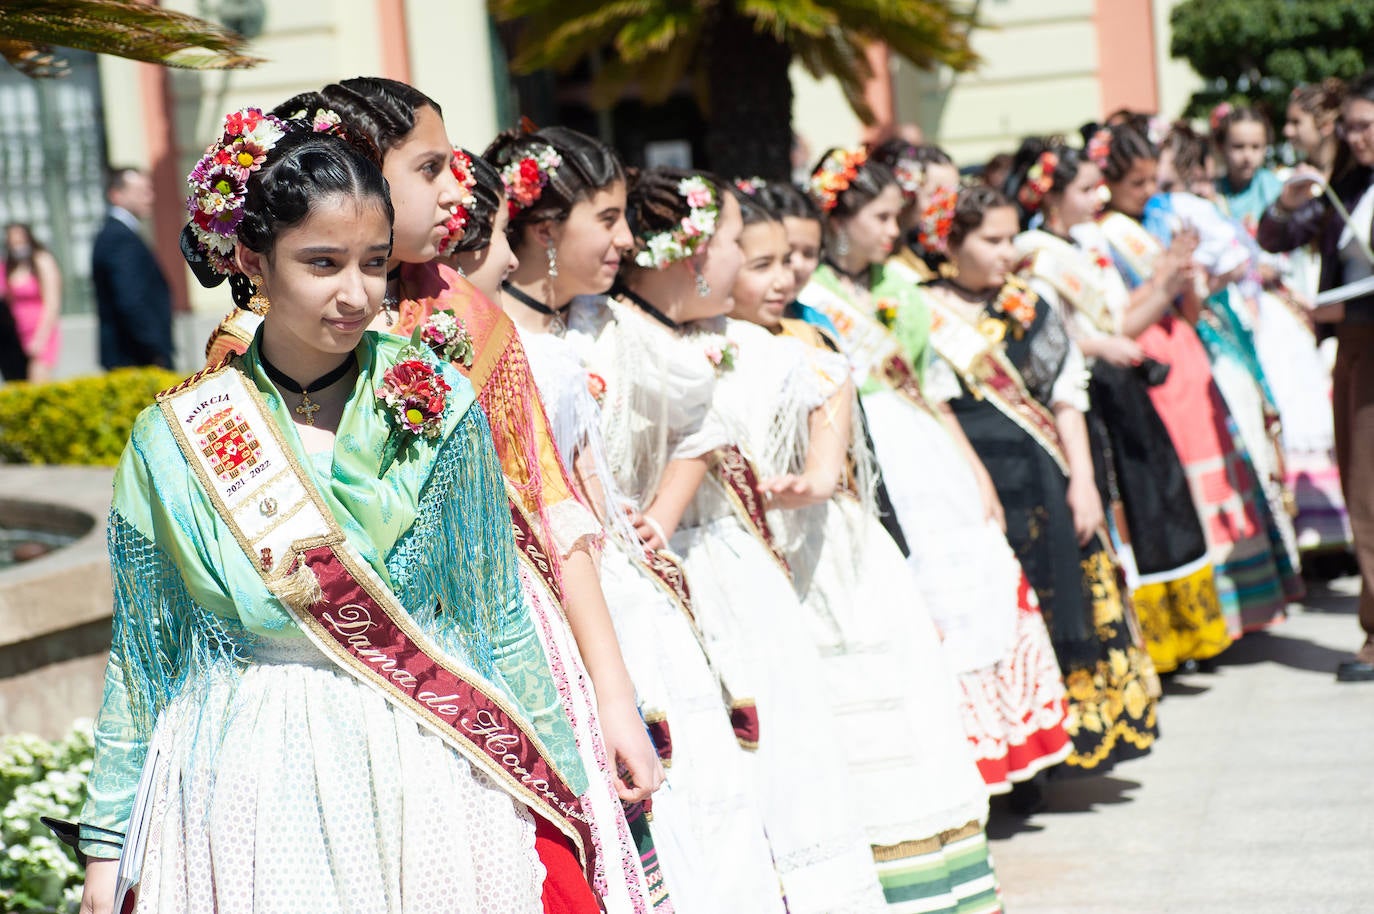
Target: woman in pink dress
32, 283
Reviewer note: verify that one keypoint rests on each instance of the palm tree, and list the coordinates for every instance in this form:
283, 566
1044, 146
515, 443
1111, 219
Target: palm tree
735, 54
125, 28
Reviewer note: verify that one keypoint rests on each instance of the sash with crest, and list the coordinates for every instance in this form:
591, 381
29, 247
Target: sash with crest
1069, 272
874, 353
740, 480
269, 502
976, 355
1133, 247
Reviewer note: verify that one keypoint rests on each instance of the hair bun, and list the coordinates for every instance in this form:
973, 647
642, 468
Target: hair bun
200, 265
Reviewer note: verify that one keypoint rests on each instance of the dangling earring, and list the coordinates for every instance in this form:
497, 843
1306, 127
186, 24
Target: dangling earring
949, 269
259, 304
703, 287
553, 260
842, 244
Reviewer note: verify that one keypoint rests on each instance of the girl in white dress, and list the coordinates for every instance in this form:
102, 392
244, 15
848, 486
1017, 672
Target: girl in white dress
651, 342
881, 655
707, 829
994, 636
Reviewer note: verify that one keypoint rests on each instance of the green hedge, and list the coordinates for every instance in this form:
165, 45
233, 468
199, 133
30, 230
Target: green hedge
84, 421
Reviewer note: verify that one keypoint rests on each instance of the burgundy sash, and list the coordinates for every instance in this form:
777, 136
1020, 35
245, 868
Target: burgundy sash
741, 482
744, 713
341, 603
384, 653
897, 373
1004, 389
532, 550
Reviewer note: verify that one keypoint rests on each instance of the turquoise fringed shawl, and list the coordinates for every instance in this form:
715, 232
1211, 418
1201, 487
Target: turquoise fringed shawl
189, 604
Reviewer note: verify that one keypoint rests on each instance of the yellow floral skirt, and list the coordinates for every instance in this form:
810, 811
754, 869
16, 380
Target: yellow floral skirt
1181, 619
1113, 701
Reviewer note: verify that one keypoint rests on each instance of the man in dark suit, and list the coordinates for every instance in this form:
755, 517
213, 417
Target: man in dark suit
132, 298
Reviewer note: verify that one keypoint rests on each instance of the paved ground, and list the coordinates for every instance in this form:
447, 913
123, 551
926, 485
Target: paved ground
1258, 798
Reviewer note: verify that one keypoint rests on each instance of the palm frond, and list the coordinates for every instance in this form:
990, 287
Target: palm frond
122, 28
839, 55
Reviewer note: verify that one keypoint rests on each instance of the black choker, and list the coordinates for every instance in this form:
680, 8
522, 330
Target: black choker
534, 304
648, 309
863, 276
968, 294
307, 407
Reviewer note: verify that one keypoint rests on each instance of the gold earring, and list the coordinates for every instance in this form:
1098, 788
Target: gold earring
259, 304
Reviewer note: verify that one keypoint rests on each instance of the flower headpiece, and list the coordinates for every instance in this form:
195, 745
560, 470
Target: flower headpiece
750, 187
1099, 148
1219, 114
219, 182
834, 176
694, 230
1039, 181
526, 177
455, 227
911, 174
932, 233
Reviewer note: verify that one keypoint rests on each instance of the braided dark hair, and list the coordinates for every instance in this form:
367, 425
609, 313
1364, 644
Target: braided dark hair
380, 110
588, 166
654, 205
302, 169
752, 207
870, 179
1242, 115
970, 210
1068, 162
487, 194
1190, 150
788, 201
1128, 146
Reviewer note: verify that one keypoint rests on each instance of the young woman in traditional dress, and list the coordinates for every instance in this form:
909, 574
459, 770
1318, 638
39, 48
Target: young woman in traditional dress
885, 673
1297, 218
708, 831
1157, 535
922, 172
656, 343
1165, 303
1022, 391
994, 637
556, 532
322, 665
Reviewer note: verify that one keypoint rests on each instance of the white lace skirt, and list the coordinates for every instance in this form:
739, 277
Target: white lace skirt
297, 789
756, 633
890, 685
707, 826
966, 572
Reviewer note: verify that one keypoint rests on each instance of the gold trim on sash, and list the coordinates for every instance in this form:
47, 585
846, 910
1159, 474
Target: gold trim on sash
986, 370
1132, 243
256, 477
738, 477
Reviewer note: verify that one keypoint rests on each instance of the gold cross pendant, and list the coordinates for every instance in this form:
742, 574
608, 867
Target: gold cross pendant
308, 408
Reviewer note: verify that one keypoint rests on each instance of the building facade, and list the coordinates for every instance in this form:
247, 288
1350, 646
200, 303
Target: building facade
1049, 66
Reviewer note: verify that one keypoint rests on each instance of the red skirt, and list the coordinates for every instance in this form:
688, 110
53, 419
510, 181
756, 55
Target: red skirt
566, 890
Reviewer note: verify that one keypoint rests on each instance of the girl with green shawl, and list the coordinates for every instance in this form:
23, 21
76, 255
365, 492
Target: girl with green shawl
359, 720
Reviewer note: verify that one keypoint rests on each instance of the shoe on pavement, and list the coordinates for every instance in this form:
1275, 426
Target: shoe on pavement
1361, 667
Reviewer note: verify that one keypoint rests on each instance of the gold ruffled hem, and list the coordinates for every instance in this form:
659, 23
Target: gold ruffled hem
1181, 620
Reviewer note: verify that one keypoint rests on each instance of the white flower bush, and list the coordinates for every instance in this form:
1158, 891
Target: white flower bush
41, 778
